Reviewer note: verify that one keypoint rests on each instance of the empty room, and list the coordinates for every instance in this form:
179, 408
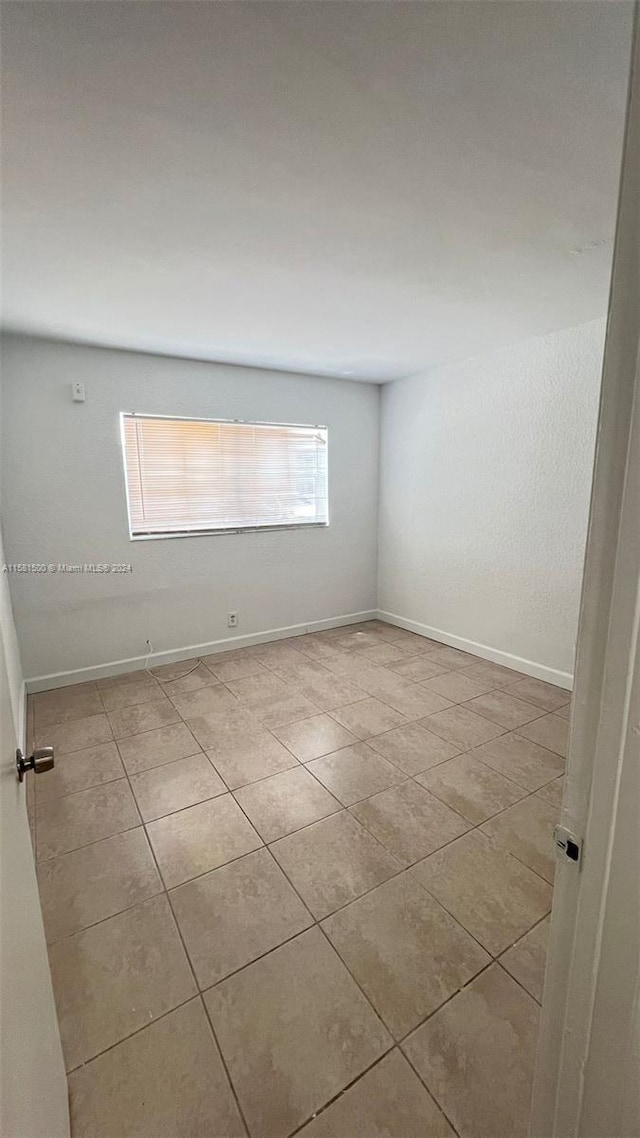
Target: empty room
318, 628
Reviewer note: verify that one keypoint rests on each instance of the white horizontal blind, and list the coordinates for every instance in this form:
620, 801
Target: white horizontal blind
201, 475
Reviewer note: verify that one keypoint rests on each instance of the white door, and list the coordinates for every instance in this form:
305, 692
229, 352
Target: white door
33, 1085
587, 1084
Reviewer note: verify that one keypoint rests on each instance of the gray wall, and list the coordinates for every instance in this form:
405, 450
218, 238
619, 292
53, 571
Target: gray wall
64, 502
485, 479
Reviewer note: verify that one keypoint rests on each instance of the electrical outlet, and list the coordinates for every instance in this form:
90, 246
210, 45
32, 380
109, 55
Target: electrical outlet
232, 620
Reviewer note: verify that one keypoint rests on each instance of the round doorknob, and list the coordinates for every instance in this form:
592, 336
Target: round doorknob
41, 760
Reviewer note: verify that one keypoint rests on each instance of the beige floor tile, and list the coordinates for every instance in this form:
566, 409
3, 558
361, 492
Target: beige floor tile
505, 709
528, 764
174, 786
553, 792
235, 914
418, 668
551, 732
477, 1056
278, 654
64, 704
80, 770
200, 677
310, 738
166, 1080
130, 692
204, 701
354, 773
563, 712
167, 673
378, 682
217, 729
292, 642
368, 717
304, 671
527, 959
351, 664
315, 1033
76, 735
283, 709
332, 862
544, 695
414, 701
407, 954
235, 669
115, 977
201, 838
328, 692
388, 1102
80, 888
217, 658
143, 717
349, 639
412, 640
347, 665
493, 673
493, 895
409, 821
384, 652
154, 748
285, 802
526, 830
64, 824
470, 787
451, 658
255, 689
317, 649
462, 727
457, 687
412, 748
358, 641
248, 756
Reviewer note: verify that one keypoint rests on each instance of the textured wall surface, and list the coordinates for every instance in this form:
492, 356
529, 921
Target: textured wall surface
485, 481
64, 501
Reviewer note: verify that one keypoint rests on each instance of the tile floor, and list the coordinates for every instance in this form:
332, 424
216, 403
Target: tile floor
300, 888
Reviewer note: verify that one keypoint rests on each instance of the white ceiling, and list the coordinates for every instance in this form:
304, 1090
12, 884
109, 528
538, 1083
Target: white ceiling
351, 189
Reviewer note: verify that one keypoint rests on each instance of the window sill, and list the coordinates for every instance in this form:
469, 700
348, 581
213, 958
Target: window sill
225, 532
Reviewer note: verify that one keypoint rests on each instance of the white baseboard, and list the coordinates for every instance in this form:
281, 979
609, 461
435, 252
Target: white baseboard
174, 655
495, 655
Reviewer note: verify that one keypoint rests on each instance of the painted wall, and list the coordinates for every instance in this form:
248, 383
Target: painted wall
11, 651
65, 503
8, 635
484, 491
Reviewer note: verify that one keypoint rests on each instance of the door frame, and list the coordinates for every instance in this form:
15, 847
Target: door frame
586, 1080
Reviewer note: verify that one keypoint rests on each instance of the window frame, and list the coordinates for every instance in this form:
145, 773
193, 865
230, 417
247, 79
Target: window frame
216, 532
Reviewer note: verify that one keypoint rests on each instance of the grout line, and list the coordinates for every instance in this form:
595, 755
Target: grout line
430, 1093
498, 961
224, 1065
136, 1031
340, 1094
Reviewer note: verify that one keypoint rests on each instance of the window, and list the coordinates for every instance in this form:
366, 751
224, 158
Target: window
188, 476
